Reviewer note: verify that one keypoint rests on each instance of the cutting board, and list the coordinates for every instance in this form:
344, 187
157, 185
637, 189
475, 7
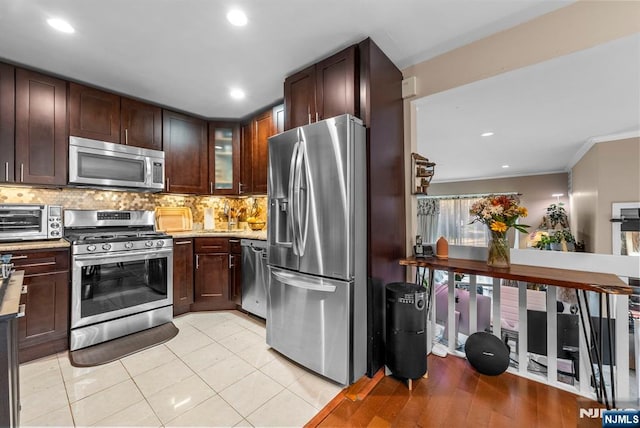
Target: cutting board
173, 219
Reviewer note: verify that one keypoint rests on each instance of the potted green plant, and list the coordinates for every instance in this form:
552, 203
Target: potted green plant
566, 236
555, 241
557, 216
544, 243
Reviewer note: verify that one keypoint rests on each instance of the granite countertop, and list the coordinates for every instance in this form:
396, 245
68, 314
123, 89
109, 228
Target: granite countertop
242, 234
33, 245
10, 292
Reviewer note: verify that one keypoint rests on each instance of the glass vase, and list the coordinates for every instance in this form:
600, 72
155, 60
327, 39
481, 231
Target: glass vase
498, 255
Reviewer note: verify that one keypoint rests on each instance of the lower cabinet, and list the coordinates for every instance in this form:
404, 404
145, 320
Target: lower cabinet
44, 330
212, 272
236, 271
182, 275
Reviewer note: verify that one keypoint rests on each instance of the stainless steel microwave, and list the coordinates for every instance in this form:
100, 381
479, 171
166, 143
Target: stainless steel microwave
28, 222
105, 165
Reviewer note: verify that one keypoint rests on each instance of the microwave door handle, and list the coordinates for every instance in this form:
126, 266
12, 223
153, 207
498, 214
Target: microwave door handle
148, 171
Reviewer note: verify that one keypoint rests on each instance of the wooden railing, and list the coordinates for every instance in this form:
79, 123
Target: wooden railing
580, 271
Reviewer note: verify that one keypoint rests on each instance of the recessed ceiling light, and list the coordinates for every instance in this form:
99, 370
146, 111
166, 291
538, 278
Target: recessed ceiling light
486, 134
61, 25
237, 94
237, 17
557, 195
218, 147
505, 166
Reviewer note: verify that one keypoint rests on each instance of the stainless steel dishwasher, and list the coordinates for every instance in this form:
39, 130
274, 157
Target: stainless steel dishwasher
255, 277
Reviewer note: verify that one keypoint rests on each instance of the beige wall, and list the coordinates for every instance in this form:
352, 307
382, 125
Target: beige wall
535, 190
579, 26
609, 172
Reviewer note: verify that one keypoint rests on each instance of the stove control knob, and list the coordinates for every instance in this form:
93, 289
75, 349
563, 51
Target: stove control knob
128, 245
160, 244
148, 244
91, 247
106, 246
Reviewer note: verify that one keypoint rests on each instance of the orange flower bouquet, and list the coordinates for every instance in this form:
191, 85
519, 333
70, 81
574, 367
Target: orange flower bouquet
499, 213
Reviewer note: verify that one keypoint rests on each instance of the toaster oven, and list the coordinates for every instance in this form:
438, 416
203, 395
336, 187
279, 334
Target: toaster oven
28, 222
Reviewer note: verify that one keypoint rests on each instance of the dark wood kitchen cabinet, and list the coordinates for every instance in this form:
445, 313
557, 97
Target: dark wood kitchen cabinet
326, 89
184, 139
41, 137
224, 158
245, 159
262, 130
254, 149
94, 113
44, 330
212, 287
104, 116
182, 275
7, 122
140, 124
235, 271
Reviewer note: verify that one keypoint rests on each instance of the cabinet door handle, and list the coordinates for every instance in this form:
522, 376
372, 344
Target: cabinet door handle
230, 263
234, 241
6, 171
240, 186
181, 242
197, 261
316, 116
309, 118
22, 310
211, 187
168, 187
21, 173
18, 257
126, 136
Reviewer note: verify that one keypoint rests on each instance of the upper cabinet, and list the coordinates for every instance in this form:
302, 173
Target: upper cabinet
254, 137
262, 130
326, 89
94, 113
185, 147
7, 122
41, 137
140, 124
224, 158
104, 116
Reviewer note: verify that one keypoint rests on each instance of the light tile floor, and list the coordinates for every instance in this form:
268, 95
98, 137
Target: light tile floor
218, 371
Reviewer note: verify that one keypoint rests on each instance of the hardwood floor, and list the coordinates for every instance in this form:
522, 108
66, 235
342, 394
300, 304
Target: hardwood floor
455, 395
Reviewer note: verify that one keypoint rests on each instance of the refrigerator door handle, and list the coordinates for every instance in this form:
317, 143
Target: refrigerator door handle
292, 206
297, 185
292, 280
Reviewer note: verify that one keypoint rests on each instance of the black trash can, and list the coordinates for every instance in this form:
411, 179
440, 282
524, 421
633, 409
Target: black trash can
406, 316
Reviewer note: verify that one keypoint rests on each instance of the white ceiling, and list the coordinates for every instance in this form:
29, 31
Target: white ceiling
544, 116
184, 54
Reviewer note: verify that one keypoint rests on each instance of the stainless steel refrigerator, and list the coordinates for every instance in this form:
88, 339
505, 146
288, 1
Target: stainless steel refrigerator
317, 247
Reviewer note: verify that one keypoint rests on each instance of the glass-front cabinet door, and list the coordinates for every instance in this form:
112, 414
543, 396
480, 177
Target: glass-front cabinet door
224, 158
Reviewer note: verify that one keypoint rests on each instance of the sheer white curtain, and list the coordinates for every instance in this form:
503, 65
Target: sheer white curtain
428, 214
454, 223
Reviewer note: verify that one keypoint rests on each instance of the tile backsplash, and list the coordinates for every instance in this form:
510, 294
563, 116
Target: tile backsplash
70, 198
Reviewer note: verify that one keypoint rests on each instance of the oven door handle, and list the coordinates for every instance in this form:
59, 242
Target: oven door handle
124, 255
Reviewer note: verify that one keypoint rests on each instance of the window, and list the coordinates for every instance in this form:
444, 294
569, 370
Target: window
454, 223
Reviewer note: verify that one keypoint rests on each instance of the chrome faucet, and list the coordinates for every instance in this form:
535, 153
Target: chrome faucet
227, 211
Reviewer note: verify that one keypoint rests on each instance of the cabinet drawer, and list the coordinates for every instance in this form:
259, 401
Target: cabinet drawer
34, 262
234, 245
211, 245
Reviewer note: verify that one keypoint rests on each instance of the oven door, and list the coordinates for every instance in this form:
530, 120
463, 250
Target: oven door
108, 286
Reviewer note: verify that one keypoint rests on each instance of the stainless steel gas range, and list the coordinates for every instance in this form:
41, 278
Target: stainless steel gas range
122, 274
